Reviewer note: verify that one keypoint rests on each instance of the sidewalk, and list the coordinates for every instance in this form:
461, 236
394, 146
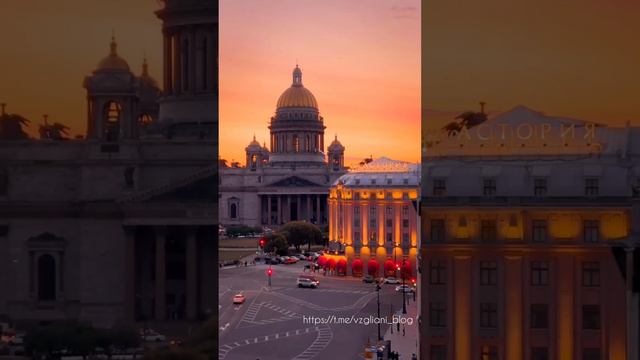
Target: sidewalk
406, 344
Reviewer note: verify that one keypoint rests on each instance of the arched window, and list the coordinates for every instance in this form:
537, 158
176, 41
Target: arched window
46, 278
307, 144
233, 210
254, 161
144, 120
336, 162
113, 113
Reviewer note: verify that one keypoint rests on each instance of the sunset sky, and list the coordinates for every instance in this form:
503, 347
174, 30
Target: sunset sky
574, 58
48, 47
361, 60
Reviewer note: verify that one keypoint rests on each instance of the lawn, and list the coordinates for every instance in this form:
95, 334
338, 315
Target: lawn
225, 255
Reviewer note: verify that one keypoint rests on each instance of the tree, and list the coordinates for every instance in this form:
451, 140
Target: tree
11, 127
298, 233
55, 131
276, 243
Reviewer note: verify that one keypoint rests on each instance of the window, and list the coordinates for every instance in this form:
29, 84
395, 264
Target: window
590, 274
356, 221
389, 223
405, 240
405, 210
405, 196
405, 182
388, 210
356, 195
591, 317
591, 231
405, 223
388, 196
539, 316
488, 231
437, 230
438, 352
296, 144
488, 273
591, 186
437, 272
489, 315
539, 234
540, 187
356, 210
539, 273
372, 216
233, 210
46, 278
437, 314
357, 181
489, 352
389, 181
591, 354
439, 187
389, 237
539, 353
489, 187
356, 237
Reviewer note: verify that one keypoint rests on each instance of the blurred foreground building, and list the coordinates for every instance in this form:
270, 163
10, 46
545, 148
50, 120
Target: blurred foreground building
520, 215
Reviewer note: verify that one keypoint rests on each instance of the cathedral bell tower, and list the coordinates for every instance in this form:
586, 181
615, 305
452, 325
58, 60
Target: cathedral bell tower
188, 108
335, 156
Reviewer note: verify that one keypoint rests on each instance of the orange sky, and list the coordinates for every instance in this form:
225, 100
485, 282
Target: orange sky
575, 58
48, 47
361, 60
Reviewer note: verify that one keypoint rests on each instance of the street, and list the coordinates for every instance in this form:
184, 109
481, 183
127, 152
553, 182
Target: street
283, 321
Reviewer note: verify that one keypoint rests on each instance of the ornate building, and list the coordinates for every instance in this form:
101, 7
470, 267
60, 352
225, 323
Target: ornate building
520, 215
289, 180
121, 226
374, 219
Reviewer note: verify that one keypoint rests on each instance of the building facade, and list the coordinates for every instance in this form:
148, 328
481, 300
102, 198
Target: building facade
120, 226
373, 218
290, 179
519, 217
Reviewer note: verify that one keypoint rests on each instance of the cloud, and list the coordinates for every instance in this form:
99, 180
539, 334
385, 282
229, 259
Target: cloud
404, 12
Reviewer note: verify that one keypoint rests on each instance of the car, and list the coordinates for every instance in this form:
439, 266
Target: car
315, 266
301, 257
391, 280
238, 299
307, 281
150, 335
404, 288
291, 260
368, 279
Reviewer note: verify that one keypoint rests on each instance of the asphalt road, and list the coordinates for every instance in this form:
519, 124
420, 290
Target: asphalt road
271, 324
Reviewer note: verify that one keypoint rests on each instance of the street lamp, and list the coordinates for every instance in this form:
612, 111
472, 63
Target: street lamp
404, 303
378, 291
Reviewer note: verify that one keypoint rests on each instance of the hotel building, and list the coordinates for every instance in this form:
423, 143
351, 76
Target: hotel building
373, 218
519, 217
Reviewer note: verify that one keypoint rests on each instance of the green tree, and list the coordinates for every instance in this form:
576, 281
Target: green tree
298, 233
276, 243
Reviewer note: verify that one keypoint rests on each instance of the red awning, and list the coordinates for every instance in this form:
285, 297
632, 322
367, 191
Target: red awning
331, 263
356, 265
372, 267
389, 266
342, 264
322, 260
407, 269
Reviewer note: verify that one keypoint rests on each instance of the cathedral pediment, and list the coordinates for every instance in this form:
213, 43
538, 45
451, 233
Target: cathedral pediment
293, 181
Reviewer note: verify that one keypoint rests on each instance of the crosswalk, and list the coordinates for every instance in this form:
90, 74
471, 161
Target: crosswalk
338, 291
360, 303
323, 338
249, 317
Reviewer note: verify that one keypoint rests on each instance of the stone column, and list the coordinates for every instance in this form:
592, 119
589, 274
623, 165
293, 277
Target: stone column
317, 209
161, 276
513, 316
462, 307
269, 221
130, 273
177, 68
279, 210
308, 200
299, 208
168, 81
192, 274
193, 68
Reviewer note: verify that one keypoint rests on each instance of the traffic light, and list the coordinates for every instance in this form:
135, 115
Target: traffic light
262, 242
269, 271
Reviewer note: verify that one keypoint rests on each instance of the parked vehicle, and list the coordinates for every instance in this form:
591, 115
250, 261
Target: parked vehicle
291, 260
391, 280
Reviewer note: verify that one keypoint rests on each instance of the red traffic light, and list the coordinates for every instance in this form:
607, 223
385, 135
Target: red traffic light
262, 242
413, 280
269, 272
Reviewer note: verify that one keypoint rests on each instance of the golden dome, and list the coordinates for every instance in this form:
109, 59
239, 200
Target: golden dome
113, 61
297, 95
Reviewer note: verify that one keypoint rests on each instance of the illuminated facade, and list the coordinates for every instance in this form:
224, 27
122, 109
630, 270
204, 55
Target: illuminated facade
517, 234
290, 180
373, 218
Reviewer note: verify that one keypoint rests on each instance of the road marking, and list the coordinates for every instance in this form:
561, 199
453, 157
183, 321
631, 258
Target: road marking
316, 346
325, 335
